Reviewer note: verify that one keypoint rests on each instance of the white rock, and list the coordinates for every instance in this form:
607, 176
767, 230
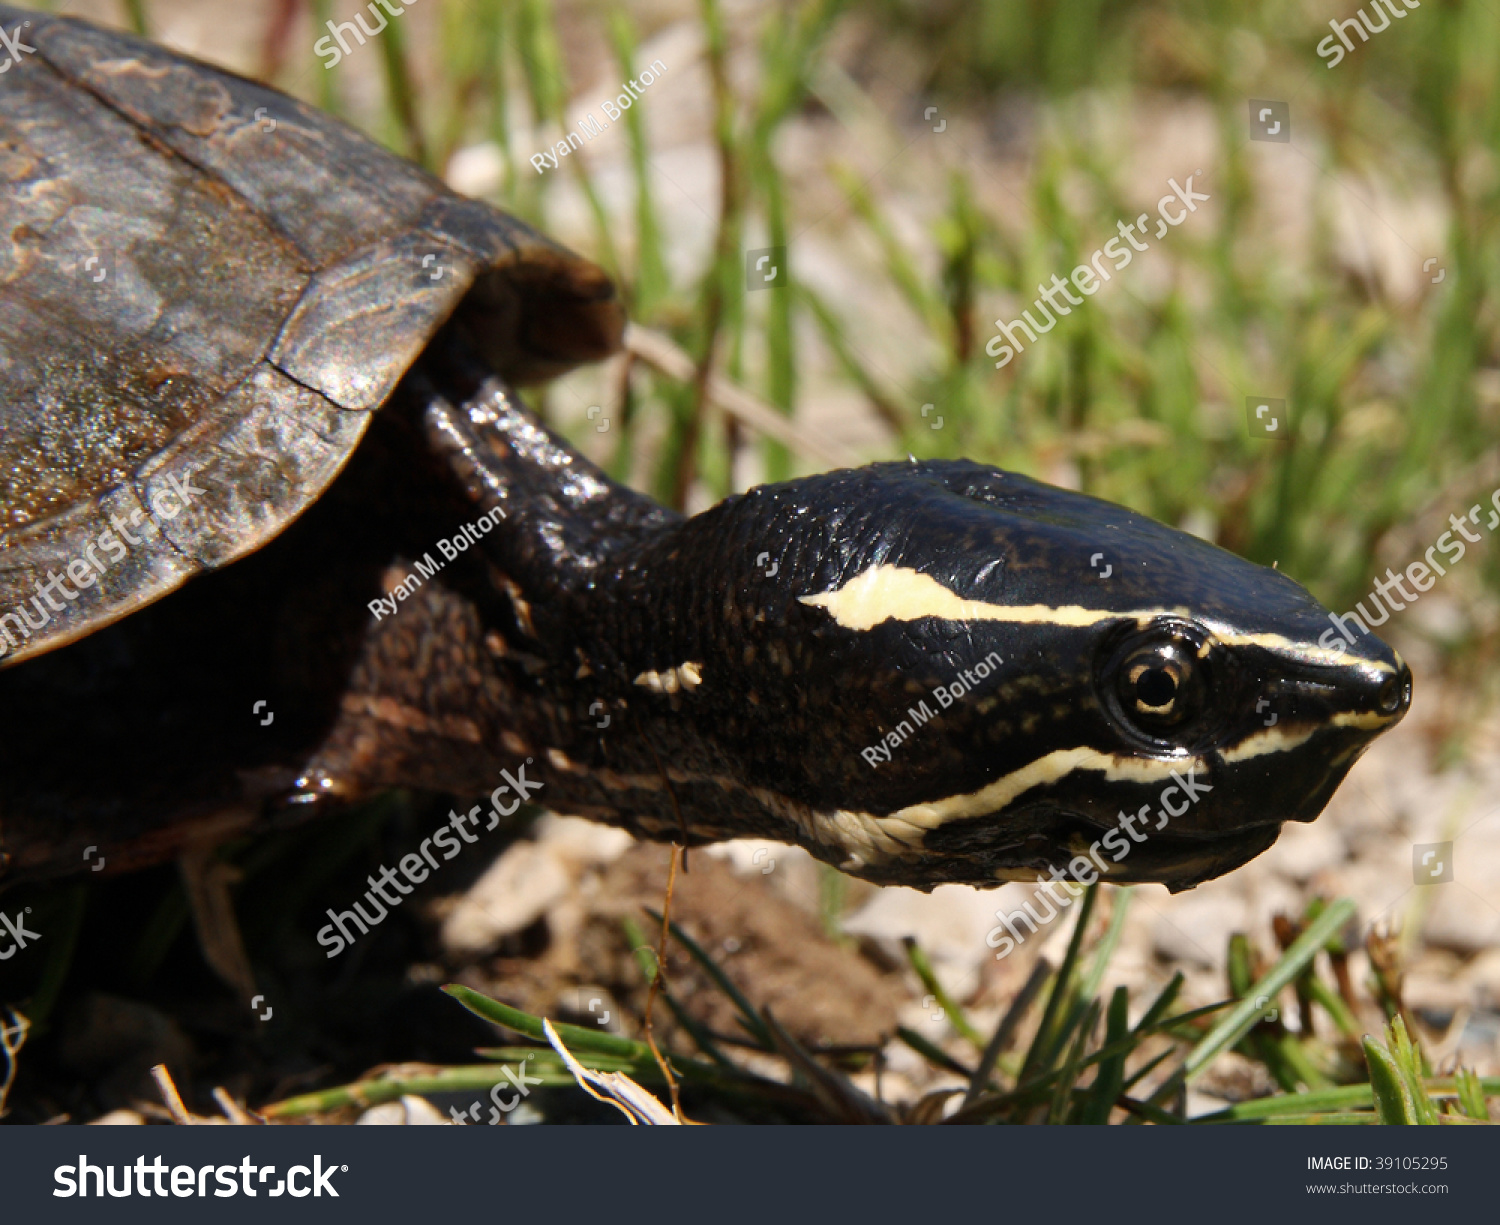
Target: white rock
949, 924
422, 1113
1464, 919
513, 893
410, 1111
579, 843
1197, 928
119, 1118
387, 1114
1303, 851
1484, 973
1377, 228
477, 170
789, 869
749, 854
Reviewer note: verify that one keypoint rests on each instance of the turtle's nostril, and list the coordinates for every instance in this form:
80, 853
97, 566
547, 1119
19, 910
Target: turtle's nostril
1395, 695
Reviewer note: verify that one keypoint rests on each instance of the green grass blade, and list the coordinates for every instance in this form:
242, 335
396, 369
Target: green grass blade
1293, 1055
1046, 1043
749, 1018
843, 1100
1393, 1098
1109, 1081
899, 265
1247, 1012
363, 1094
1063, 1106
1089, 987
1333, 1004
651, 280
932, 1053
69, 907
493, 78
1163, 1001
135, 14
1150, 1112
961, 1024
401, 94
1142, 1072
832, 329
646, 958
1400, 1059
787, 62
1007, 1027
541, 59
1269, 1044
327, 91
1471, 1097
576, 1036
1340, 1100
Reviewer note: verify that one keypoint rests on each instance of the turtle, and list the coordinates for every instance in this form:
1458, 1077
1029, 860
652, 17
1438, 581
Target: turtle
278, 533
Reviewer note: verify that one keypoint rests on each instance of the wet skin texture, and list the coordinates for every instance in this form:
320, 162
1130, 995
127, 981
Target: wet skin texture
516, 653
648, 670
769, 734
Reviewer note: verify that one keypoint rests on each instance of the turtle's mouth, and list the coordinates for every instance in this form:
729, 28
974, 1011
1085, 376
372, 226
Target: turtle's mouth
1176, 859
1030, 845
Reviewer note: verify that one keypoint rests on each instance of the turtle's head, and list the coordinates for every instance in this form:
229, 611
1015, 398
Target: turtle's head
1007, 677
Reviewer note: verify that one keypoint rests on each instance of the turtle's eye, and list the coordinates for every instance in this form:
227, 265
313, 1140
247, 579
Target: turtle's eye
1160, 686
1155, 685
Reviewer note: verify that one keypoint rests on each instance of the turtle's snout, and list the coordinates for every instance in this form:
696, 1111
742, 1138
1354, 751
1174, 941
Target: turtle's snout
1393, 698
1382, 690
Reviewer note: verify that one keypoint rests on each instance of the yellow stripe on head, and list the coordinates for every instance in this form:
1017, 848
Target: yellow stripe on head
896, 593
